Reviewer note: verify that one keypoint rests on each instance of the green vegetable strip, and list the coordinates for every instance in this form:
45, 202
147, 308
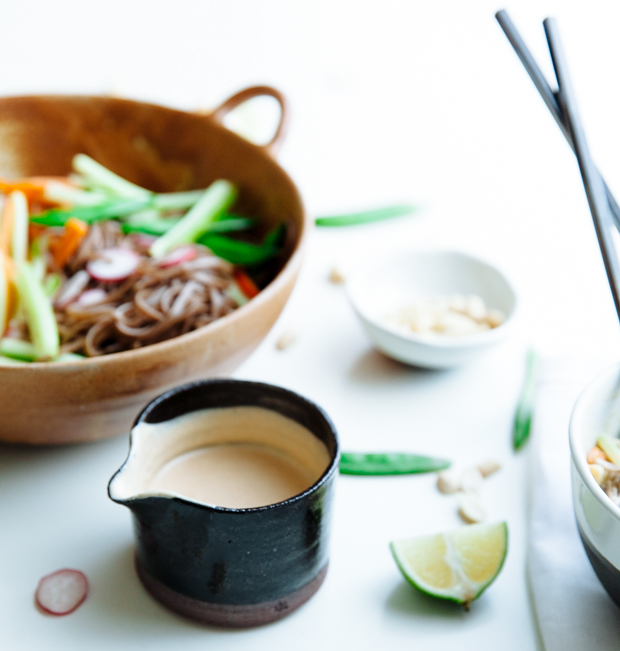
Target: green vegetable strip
69, 357
230, 225
98, 175
525, 407
366, 217
90, 214
38, 267
58, 192
9, 361
176, 200
19, 243
51, 284
219, 196
388, 464
39, 312
237, 252
236, 294
4, 294
18, 349
610, 446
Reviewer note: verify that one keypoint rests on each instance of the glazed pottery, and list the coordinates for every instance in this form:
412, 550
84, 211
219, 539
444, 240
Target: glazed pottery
164, 150
225, 566
598, 519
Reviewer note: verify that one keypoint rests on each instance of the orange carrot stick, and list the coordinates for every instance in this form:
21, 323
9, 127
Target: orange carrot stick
33, 187
63, 249
6, 226
246, 284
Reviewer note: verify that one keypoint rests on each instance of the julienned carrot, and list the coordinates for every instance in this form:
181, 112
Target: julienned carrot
33, 187
66, 246
246, 284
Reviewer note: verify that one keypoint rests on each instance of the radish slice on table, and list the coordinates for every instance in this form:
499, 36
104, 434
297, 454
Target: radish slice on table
62, 592
72, 288
92, 297
113, 265
178, 255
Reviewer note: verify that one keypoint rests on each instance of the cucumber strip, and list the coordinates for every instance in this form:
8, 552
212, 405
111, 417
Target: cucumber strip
219, 196
19, 240
388, 464
525, 407
4, 294
51, 284
610, 446
9, 361
230, 225
69, 357
176, 200
39, 312
236, 294
58, 192
18, 349
100, 176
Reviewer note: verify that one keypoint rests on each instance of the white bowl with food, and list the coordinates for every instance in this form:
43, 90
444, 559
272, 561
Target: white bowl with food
595, 476
433, 309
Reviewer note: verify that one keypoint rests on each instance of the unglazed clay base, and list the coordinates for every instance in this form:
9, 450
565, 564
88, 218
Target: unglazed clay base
229, 615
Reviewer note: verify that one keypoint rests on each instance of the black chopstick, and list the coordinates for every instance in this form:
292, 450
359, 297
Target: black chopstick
592, 181
549, 97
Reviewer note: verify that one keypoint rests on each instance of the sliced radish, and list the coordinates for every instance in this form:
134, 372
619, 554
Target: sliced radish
62, 592
92, 297
144, 241
178, 255
72, 288
113, 265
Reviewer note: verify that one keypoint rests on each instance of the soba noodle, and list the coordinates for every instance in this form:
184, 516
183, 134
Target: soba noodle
153, 304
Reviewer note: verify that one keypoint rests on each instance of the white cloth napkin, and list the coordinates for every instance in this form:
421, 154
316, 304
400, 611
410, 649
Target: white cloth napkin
573, 610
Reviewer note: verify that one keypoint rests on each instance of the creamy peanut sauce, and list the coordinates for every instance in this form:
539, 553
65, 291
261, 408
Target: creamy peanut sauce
236, 457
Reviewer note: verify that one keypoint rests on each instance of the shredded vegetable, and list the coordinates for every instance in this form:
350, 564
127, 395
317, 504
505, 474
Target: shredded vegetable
104, 266
219, 196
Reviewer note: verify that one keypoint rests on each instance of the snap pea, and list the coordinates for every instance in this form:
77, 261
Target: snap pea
245, 253
365, 217
89, 214
525, 407
388, 464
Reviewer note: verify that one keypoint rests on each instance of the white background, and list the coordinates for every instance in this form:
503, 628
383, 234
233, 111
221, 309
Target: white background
392, 101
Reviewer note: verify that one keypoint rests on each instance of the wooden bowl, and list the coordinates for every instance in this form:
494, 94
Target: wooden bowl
164, 150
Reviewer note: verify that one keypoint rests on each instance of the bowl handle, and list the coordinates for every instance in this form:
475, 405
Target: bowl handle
257, 91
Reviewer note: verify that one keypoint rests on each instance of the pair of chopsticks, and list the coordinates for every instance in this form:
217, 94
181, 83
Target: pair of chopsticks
563, 106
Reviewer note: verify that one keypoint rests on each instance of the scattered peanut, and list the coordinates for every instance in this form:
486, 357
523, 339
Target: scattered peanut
471, 481
470, 508
448, 482
450, 316
336, 276
488, 468
287, 338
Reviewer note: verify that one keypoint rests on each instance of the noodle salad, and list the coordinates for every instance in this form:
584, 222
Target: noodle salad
93, 264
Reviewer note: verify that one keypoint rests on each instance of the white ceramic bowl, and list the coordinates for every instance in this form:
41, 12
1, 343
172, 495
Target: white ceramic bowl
598, 518
383, 287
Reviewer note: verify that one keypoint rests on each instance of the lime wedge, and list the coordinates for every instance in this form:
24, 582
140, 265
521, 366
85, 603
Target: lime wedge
457, 565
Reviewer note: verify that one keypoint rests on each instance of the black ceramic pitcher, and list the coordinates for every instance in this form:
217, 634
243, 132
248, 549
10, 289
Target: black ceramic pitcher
225, 566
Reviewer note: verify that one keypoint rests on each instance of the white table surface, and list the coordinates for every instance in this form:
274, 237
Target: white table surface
392, 101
